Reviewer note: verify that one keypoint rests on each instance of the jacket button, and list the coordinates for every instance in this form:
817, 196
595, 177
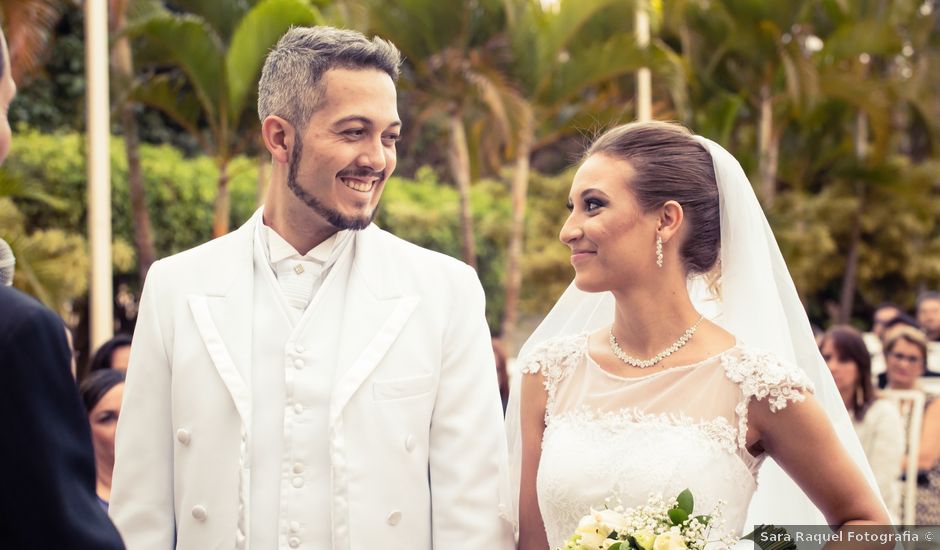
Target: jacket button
393, 518
298, 468
297, 482
410, 443
294, 526
183, 436
299, 348
200, 513
294, 542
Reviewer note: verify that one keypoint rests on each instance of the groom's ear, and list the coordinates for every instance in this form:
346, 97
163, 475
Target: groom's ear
670, 220
278, 136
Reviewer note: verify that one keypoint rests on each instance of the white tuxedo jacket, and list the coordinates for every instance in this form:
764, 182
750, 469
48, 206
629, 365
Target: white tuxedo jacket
416, 439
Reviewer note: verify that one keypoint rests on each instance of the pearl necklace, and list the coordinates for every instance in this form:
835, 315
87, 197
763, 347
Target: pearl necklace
646, 363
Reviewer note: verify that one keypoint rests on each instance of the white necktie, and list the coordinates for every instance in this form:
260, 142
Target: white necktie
297, 277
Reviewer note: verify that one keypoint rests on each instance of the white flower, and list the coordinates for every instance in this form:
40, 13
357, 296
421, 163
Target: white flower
591, 533
669, 541
645, 538
613, 520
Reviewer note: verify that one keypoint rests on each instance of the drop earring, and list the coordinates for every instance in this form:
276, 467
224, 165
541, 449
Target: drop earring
659, 251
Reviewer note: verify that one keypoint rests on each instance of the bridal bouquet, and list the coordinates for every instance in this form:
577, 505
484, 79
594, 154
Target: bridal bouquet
658, 525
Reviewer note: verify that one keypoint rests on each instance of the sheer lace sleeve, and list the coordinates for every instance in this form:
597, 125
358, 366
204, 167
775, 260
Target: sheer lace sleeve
554, 359
763, 375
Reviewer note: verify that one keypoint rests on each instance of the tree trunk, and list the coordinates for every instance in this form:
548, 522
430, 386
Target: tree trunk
458, 156
121, 60
220, 221
520, 185
850, 277
769, 148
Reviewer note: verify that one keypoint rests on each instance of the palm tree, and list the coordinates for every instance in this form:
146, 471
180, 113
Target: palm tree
754, 50
29, 27
558, 59
123, 74
452, 52
216, 51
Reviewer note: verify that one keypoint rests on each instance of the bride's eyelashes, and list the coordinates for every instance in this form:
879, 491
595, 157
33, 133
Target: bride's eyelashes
590, 204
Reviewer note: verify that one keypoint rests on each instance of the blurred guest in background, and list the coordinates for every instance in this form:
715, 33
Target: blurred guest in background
877, 422
46, 462
113, 354
928, 314
885, 312
102, 391
906, 353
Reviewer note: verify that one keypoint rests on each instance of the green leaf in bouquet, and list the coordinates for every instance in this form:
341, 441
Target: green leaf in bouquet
704, 519
615, 546
678, 515
685, 501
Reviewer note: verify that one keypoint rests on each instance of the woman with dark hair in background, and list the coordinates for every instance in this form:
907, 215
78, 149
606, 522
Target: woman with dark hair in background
877, 422
113, 354
906, 359
102, 391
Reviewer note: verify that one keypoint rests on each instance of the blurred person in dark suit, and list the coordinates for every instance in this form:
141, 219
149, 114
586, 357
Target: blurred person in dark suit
47, 469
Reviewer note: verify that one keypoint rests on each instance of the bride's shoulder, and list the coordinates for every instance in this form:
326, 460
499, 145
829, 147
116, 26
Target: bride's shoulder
555, 356
765, 374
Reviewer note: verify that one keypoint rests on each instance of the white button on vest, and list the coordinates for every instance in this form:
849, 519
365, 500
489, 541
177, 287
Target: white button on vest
394, 518
183, 436
410, 443
298, 468
294, 542
298, 408
298, 363
297, 482
294, 526
200, 513
298, 348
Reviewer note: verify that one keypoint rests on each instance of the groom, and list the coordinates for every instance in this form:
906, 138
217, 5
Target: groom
309, 380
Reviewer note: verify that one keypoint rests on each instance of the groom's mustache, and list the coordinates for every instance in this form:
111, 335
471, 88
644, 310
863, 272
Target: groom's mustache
361, 173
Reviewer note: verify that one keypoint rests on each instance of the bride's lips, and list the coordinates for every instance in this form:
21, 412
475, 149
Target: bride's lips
578, 256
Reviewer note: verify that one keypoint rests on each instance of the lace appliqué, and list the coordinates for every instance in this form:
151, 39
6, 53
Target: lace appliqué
717, 429
763, 375
554, 359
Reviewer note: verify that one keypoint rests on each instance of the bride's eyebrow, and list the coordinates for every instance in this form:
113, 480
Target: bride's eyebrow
591, 190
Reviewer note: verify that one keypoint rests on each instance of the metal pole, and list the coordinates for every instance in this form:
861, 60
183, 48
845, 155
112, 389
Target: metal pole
644, 85
101, 313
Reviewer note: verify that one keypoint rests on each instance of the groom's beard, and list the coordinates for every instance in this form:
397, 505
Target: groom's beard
333, 217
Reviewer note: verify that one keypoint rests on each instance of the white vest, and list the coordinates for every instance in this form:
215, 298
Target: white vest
292, 370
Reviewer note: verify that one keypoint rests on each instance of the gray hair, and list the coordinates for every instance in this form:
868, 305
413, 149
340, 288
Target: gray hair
291, 80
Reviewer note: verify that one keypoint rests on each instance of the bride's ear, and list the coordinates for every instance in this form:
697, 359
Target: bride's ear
670, 220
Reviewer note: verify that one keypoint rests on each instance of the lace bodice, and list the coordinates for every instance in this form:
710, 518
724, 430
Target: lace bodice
628, 438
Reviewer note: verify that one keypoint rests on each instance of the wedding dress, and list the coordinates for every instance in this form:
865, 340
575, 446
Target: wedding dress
626, 439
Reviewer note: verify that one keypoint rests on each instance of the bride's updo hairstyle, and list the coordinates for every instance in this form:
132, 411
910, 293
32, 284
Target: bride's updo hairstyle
670, 164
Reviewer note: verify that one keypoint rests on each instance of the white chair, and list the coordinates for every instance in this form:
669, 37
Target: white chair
911, 405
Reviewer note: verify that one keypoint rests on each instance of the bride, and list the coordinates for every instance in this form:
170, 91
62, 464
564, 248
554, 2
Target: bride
682, 359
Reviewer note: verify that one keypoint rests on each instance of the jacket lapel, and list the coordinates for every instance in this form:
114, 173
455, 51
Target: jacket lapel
223, 315
376, 311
